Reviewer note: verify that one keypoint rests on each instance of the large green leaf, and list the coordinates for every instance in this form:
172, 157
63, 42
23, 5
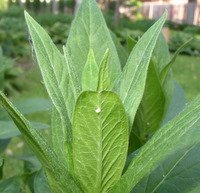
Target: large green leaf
100, 140
179, 172
89, 31
56, 172
55, 71
153, 106
133, 78
157, 149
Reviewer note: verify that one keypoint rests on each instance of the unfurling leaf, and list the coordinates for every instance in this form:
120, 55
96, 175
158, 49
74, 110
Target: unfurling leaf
90, 73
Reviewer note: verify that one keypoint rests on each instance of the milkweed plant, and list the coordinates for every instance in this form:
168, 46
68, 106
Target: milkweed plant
117, 122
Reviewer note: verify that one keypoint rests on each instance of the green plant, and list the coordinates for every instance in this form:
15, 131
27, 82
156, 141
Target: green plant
9, 74
192, 29
59, 32
13, 37
102, 112
49, 19
12, 11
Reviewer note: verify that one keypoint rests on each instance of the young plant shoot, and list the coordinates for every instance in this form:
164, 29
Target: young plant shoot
111, 130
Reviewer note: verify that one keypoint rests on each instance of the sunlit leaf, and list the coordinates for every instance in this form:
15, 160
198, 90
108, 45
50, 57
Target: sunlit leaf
100, 140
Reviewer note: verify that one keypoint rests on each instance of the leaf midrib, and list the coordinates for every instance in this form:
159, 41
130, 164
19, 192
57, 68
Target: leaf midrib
101, 123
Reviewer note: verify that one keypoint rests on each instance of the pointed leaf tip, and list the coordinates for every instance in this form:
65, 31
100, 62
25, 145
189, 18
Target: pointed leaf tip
133, 79
90, 72
165, 14
26, 15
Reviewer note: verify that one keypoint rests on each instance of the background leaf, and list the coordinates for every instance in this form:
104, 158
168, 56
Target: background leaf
11, 185
1, 167
130, 43
167, 68
3, 144
38, 183
161, 54
123, 55
89, 31
2, 69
